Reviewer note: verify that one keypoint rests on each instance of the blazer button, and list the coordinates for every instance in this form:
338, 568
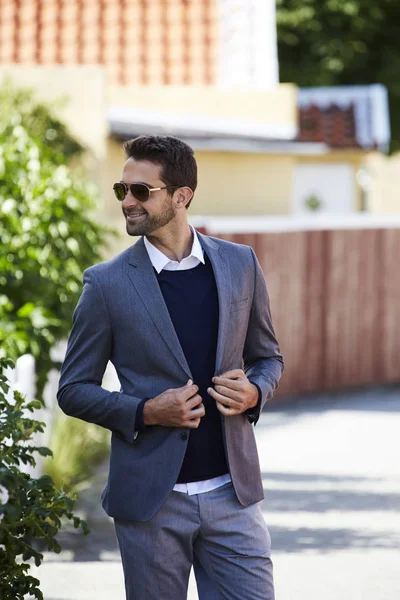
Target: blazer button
184, 436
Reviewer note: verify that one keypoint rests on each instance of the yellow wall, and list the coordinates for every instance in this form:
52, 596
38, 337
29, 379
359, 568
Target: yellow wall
112, 212
384, 183
235, 183
76, 94
277, 106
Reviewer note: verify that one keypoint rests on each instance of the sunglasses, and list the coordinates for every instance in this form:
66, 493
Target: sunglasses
140, 191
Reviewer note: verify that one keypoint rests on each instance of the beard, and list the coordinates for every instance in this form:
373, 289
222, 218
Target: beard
148, 224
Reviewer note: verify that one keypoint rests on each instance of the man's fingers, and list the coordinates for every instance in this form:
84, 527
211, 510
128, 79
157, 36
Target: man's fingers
193, 402
199, 411
225, 400
187, 391
192, 423
227, 389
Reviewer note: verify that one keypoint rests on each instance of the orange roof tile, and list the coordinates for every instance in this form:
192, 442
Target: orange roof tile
138, 41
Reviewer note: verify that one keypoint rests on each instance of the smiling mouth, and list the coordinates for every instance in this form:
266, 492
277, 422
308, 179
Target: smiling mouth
135, 216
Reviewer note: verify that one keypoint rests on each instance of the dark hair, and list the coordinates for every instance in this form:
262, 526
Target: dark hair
175, 157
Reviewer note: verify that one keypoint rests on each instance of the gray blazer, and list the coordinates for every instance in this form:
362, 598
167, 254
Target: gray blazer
122, 317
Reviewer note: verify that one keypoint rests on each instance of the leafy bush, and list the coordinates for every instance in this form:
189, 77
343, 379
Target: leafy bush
47, 233
30, 509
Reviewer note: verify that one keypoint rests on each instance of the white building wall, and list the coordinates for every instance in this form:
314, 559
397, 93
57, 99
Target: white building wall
248, 54
332, 185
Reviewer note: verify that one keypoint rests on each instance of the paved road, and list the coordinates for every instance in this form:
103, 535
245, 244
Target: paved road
331, 471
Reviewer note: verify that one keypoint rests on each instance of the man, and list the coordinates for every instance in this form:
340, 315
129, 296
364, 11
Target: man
185, 320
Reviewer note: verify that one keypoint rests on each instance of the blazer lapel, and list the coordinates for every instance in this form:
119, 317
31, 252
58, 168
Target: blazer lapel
222, 274
144, 280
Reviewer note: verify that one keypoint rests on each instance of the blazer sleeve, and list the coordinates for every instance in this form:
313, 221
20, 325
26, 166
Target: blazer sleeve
89, 349
263, 362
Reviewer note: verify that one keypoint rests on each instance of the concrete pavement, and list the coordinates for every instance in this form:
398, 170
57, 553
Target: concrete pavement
331, 472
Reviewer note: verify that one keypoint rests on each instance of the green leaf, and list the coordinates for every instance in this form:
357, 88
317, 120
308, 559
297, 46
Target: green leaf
26, 309
4, 387
43, 451
38, 559
34, 405
85, 527
57, 548
7, 362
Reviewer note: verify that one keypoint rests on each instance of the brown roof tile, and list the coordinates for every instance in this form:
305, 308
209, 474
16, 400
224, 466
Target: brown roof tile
333, 125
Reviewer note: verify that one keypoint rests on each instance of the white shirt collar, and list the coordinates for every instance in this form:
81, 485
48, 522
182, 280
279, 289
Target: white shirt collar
160, 261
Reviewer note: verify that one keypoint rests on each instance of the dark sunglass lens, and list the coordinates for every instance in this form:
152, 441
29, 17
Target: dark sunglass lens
119, 191
140, 192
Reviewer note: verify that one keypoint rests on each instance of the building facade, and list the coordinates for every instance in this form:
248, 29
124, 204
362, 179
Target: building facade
206, 71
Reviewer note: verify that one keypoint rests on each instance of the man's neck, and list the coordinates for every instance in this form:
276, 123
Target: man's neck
175, 243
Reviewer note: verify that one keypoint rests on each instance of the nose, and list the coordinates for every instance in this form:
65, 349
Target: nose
129, 201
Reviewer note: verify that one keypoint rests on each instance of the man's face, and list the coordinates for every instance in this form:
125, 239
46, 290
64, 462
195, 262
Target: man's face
144, 218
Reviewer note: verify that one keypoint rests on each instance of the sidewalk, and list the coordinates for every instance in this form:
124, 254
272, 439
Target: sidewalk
331, 471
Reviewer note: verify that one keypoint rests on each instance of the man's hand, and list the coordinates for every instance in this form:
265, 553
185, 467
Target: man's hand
234, 393
180, 407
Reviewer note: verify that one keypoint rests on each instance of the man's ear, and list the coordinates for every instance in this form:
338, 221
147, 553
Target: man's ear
183, 196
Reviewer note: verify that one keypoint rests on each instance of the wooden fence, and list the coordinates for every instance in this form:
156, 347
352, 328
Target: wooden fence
335, 297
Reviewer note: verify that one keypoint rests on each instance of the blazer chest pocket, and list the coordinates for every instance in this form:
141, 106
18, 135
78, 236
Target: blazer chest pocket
237, 305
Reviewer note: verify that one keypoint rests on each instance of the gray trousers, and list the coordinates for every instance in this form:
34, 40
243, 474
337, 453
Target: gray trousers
227, 544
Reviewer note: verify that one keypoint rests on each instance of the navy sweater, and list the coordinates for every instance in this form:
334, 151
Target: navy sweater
192, 301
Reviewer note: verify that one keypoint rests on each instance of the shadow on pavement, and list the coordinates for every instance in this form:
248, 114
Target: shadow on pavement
317, 500
100, 544
328, 540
